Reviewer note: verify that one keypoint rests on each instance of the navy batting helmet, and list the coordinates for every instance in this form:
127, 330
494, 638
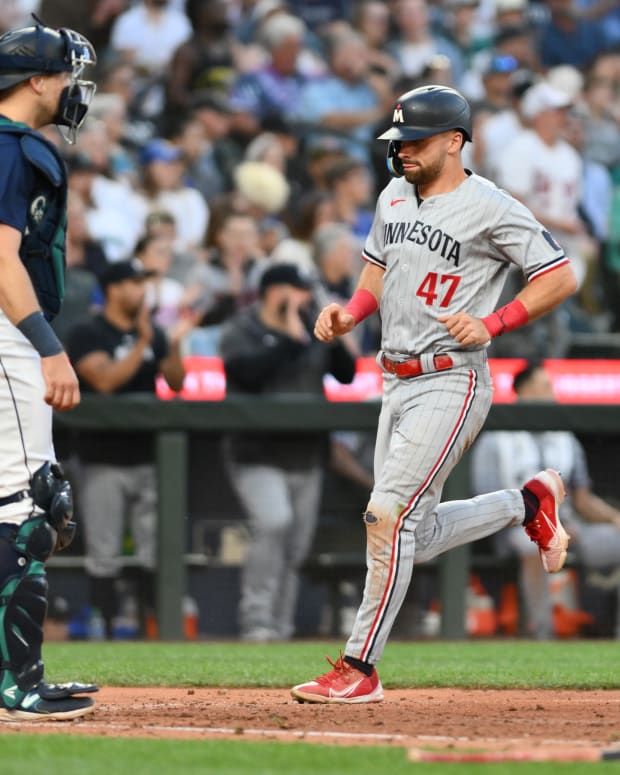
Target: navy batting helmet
40, 50
423, 112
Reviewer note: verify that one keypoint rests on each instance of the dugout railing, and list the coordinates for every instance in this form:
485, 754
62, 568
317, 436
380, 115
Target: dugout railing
174, 421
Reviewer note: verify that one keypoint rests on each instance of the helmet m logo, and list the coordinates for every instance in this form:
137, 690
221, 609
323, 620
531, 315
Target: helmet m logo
397, 117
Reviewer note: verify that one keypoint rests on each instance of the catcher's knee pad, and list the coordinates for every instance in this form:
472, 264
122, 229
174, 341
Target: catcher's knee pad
52, 493
23, 605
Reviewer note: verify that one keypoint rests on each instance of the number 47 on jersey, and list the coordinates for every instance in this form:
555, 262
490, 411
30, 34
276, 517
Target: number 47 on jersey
440, 287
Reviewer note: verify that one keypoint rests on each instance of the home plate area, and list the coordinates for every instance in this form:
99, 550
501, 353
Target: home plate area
431, 724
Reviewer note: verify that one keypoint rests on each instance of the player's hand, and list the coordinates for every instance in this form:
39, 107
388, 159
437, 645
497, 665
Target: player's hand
333, 321
62, 390
466, 329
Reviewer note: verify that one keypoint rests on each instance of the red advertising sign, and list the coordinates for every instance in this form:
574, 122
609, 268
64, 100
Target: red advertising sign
574, 381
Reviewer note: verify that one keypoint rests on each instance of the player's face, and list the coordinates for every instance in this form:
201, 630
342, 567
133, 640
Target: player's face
52, 87
424, 160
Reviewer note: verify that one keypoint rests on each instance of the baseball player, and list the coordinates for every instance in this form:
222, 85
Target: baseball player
40, 84
436, 257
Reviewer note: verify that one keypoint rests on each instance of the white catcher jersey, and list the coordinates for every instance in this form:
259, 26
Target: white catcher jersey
449, 253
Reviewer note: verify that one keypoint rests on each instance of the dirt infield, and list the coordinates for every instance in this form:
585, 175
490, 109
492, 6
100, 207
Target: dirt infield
441, 718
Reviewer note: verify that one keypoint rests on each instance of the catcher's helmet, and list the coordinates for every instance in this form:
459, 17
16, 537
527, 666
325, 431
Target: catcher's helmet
423, 112
40, 50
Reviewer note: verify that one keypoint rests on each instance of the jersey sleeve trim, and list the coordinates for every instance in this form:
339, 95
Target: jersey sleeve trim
368, 256
548, 267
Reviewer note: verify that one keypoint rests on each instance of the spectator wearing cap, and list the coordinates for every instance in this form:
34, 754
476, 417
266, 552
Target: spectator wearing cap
520, 42
120, 351
496, 85
509, 43
163, 188
494, 132
539, 167
510, 13
269, 349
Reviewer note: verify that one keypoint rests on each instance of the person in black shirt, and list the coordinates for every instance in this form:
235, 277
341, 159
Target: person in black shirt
121, 351
266, 349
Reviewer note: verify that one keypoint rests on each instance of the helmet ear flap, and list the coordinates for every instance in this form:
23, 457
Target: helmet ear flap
394, 164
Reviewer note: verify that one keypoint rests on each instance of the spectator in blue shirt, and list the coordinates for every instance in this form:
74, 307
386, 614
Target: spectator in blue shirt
351, 99
276, 87
567, 39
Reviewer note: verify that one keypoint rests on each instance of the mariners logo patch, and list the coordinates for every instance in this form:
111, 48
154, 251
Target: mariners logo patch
37, 209
397, 116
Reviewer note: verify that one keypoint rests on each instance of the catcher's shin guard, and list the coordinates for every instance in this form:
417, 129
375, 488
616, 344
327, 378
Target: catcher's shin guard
23, 605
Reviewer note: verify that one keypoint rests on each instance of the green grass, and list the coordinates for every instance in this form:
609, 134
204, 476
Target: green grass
77, 755
497, 664
574, 664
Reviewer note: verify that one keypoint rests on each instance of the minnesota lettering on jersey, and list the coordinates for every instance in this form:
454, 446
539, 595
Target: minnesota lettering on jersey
423, 234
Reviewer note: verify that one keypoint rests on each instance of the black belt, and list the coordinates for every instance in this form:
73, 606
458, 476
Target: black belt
15, 498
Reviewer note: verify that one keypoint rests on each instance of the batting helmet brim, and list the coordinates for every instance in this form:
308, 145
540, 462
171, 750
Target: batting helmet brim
417, 133
409, 133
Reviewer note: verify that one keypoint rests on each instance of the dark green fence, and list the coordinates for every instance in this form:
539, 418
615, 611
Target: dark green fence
174, 421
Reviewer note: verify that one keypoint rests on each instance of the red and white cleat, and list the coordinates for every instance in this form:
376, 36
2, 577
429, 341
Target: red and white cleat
343, 684
546, 529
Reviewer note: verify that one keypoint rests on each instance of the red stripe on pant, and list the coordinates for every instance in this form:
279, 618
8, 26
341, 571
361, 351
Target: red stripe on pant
413, 501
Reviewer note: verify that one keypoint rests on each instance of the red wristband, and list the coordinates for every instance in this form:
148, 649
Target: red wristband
362, 304
506, 318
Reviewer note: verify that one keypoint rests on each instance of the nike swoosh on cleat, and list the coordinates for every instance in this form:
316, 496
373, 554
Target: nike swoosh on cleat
552, 527
345, 692
396, 201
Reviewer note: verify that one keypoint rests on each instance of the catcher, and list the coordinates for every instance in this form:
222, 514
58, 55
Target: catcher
40, 84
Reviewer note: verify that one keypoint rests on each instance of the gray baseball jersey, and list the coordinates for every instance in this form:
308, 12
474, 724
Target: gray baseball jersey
449, 253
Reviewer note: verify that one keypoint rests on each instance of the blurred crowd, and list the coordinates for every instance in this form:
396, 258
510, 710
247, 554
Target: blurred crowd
227, 135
